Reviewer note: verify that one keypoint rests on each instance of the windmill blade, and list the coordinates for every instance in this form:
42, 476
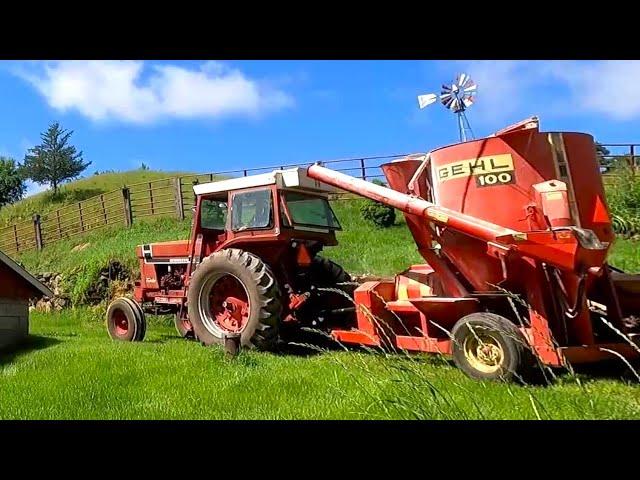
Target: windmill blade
445, 88
447, 101
471, 87
426, 100
468, 101
462, 79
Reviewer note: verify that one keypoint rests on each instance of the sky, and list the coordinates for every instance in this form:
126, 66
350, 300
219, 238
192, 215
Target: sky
209, 116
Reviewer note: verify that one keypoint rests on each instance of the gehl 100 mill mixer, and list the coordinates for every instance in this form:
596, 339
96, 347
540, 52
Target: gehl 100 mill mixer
514, 229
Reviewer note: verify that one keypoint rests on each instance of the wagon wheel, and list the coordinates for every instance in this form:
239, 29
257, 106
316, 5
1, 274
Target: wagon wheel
490, 347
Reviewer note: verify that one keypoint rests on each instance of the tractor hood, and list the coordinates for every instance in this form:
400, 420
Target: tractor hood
170, 252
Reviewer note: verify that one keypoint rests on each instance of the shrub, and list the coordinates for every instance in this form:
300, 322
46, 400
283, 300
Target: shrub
382, 216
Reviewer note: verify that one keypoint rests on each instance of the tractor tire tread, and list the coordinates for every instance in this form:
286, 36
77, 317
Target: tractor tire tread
265, 335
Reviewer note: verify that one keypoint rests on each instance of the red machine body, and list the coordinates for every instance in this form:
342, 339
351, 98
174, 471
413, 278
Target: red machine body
517, 218
283, 241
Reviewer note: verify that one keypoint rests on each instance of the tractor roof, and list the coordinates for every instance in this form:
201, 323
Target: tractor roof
292, 178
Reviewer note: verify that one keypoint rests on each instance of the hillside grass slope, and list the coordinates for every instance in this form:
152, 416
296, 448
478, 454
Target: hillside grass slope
73, 192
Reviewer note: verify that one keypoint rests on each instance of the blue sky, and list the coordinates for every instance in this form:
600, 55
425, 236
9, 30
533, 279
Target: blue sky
212, 116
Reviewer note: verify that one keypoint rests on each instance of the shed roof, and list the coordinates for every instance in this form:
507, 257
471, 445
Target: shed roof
38, 286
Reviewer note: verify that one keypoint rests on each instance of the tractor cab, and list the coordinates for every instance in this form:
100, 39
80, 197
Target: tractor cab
280, 207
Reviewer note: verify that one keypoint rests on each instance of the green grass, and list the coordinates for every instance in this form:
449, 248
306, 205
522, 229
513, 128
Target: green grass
625, 255
74, 192
71, 370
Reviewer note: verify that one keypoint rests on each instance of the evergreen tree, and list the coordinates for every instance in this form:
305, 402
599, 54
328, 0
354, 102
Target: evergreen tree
54, 161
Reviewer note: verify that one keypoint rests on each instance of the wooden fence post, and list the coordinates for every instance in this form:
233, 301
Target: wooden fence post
15, 236
126, 200
104, 210
58, 221
37, 229
632, 154
177, 187
151, 199
81, 220
195, 197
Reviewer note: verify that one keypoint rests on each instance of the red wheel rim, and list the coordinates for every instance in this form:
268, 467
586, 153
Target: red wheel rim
229, 304
121, 323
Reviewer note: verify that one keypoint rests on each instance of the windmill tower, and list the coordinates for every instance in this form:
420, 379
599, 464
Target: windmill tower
456, 97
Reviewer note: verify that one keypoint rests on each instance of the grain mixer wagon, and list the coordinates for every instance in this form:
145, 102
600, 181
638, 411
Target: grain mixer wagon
515, 232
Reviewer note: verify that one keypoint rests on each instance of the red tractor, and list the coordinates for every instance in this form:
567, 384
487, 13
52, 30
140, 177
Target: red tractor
251, 267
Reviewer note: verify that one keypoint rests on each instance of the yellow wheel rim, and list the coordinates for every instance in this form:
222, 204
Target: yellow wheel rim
483, 351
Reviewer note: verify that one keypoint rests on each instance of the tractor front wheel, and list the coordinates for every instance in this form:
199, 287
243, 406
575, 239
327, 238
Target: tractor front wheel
234, 292
126, 320
490, 347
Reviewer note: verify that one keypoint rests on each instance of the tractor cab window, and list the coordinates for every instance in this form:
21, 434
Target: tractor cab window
213, 214
251, 210
311, 211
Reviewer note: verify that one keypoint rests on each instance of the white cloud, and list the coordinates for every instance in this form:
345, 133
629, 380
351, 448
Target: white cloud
512, 90
133, 92
607, 87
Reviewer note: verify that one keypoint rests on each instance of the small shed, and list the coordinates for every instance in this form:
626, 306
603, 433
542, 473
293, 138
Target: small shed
17, 286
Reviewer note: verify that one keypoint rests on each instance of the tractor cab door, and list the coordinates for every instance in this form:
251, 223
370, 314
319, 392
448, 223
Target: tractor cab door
252, 210
213, 219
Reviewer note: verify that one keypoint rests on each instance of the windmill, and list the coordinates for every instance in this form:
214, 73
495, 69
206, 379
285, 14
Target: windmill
456, 97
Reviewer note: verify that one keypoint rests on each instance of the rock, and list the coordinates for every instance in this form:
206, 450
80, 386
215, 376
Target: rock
59, 301
80, 247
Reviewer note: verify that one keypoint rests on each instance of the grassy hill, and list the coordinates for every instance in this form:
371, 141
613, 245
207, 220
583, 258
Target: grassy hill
77, 191
71, 369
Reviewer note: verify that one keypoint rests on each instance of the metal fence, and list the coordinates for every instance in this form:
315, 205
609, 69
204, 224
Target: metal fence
164, 197
627, 153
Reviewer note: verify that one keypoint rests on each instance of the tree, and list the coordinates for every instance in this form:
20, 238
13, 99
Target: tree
54, 161
12, 187
602, 153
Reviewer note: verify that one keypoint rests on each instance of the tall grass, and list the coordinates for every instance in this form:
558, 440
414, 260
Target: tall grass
623, 197
72, 370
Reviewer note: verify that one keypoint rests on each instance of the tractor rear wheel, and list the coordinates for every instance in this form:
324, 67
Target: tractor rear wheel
126, 321
490, 347
183, 326
234, 292
320, 312
326, 273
